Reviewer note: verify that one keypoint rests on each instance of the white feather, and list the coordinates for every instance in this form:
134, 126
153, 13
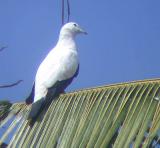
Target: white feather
60, 64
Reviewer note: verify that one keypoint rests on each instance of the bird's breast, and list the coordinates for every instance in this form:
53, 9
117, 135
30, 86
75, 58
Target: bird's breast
69, 64
57, 66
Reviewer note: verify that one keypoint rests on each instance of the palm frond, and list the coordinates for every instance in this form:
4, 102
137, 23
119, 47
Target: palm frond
4, 109
119, 116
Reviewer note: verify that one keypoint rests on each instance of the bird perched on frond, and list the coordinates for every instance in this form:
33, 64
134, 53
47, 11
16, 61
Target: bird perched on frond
57, 70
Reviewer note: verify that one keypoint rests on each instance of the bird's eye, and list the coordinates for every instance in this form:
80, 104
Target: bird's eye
75, 25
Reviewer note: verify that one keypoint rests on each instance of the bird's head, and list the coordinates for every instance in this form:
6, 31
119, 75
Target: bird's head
72, 28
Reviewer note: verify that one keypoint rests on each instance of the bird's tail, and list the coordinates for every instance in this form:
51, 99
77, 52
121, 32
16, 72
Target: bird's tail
30, 98
35, 109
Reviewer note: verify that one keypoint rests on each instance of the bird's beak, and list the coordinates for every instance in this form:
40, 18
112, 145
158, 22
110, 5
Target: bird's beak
85, 32
82, 31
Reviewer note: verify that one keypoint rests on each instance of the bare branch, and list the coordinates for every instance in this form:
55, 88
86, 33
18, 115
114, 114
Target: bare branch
68, 8
63, 11
2, 48
11, 85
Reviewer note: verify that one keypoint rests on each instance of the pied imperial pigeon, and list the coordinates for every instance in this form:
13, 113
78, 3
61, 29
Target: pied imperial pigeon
57, 70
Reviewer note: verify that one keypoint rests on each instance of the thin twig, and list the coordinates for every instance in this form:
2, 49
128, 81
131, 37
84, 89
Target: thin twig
62, 12
11, 85
2, 48
68, 8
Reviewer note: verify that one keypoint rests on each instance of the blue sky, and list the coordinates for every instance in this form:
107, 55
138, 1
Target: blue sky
123, 41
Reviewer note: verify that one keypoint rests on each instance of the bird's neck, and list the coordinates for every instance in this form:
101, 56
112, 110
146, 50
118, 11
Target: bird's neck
67, 40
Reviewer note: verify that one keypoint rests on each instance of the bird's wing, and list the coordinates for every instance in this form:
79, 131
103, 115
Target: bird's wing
57, 67
62, 85
30, 98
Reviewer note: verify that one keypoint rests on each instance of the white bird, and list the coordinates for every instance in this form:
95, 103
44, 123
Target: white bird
58, 69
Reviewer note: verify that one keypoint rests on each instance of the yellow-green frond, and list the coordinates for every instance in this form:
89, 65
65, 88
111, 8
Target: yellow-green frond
119, 116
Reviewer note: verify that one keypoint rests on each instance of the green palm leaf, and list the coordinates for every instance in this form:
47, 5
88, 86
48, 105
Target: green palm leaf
4, 109
119, 116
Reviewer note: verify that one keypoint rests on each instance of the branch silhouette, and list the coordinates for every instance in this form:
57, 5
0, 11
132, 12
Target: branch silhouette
63, 11
2, 48
12, 84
